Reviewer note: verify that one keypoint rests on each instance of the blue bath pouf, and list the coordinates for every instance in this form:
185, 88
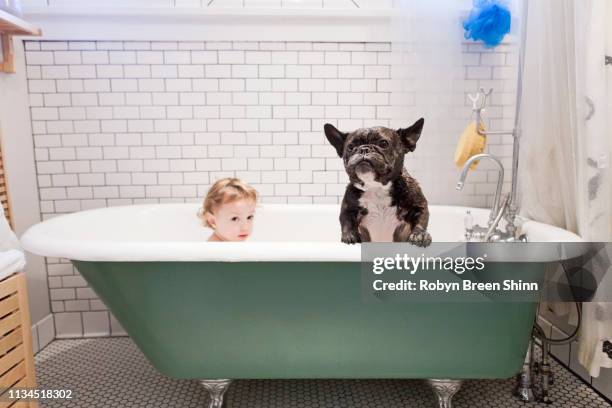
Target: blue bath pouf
489, 21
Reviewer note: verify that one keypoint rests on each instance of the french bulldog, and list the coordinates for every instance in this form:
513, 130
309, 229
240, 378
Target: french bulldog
382, 202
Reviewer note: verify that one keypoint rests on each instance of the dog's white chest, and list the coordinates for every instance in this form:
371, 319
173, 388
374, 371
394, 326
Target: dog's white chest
381, 219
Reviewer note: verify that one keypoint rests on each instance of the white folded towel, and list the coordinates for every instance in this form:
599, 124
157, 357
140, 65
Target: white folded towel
8, 239
11, 261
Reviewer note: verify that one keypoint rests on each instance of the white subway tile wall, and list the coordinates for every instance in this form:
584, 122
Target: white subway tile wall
128, 122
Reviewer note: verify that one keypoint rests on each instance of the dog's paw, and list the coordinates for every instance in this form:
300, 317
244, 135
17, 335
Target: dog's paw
419, 237
351, 238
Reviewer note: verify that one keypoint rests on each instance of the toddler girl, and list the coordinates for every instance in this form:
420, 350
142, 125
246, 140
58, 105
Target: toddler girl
229, 209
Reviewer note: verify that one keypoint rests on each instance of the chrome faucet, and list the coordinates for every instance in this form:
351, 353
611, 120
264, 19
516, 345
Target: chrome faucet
490, 233
500, 180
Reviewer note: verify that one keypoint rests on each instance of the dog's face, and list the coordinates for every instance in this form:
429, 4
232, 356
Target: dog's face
376, 153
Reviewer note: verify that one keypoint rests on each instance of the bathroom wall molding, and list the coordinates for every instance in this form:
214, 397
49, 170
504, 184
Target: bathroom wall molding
43, 333
161, 24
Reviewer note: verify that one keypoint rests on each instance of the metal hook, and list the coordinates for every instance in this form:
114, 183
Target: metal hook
480, 96
474, 99
486, 96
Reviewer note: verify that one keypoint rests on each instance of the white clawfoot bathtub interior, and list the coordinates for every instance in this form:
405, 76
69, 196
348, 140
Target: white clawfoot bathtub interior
158, 232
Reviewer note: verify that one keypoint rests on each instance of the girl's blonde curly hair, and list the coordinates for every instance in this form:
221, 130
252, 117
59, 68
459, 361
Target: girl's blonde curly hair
223, 191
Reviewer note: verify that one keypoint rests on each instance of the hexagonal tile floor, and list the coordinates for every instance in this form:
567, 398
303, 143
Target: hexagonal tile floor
112, 372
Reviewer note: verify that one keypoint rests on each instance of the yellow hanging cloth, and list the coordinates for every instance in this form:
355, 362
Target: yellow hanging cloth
470, 143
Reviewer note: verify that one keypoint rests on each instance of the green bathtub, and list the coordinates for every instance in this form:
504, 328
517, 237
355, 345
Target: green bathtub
287, 304
244, 320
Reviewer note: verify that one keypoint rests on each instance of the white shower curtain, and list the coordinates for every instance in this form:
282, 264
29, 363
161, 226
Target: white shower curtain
597, 326
567, 136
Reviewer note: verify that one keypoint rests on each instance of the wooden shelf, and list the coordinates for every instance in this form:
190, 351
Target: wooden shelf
17, 361
10, 26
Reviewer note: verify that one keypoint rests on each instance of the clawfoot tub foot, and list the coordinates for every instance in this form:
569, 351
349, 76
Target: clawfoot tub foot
216, 390
445, 390
524, 389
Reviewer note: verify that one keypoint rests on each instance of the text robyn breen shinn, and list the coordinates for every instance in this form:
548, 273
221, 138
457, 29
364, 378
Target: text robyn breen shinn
466, 285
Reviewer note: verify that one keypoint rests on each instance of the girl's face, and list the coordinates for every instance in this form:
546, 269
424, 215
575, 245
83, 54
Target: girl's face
233, 221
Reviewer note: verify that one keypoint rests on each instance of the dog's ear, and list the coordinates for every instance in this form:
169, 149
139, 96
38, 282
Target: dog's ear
410, 136
335, 137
